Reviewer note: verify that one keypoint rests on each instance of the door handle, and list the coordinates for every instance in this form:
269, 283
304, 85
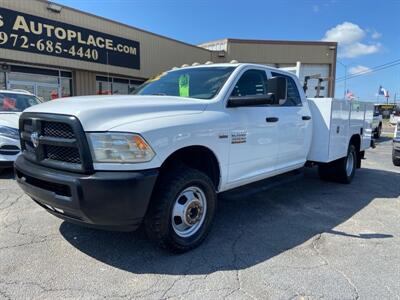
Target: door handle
272, 119
306, 118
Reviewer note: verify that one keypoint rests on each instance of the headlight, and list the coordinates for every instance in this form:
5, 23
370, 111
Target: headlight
119, 147
397, 131
9, 132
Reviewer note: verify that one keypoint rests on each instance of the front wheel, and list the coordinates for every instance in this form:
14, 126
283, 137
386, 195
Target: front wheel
181, 210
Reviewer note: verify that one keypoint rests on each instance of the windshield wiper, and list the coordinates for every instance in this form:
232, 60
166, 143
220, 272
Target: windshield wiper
159, 94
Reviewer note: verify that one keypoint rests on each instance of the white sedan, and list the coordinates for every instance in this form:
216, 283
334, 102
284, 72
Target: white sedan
12, 103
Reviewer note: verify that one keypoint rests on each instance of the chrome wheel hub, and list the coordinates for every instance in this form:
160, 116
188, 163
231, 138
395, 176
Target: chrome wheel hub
189, 211
350, 163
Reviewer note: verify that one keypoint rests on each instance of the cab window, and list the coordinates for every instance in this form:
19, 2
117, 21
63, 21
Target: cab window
252, 82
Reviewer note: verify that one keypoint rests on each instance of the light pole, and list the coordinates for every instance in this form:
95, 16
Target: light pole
345, 77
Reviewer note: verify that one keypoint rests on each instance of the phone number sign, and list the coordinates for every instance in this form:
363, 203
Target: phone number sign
24, 32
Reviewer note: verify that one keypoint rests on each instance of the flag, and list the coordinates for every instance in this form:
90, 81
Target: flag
350, 95
383, 92
386, 94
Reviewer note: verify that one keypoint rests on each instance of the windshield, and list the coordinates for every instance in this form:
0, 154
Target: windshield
201, 83
12, 102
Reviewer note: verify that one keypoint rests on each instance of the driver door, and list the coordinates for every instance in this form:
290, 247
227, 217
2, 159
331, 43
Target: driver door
254, 132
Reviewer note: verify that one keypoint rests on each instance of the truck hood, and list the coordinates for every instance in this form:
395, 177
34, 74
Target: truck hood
102, 113
9, 119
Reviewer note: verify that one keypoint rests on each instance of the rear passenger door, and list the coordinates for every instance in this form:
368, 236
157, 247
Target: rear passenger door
294, 127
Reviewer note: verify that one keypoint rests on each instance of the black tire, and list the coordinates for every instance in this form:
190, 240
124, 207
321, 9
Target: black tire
378, 132
396, 161
325, 172
158, 220
337, 170
343, 175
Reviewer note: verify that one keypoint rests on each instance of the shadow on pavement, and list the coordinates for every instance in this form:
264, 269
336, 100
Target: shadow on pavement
383, 139
365, 236
248, 229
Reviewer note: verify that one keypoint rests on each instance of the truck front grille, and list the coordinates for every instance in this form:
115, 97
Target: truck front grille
56, 141
65, 154
57, 129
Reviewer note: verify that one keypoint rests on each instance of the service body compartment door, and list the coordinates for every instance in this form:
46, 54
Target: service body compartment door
334, 123
339, 132
321, 118
330, 129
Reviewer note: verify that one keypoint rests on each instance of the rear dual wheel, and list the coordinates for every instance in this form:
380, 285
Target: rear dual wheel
341, 170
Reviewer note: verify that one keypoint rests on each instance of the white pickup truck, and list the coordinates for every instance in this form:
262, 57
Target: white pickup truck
162, 156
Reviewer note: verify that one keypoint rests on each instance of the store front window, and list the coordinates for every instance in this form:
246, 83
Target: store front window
46, 84
120, 86
115, 86
103, 86
39, 78
66, 87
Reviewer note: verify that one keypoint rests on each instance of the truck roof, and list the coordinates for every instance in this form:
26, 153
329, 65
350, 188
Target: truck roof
215, 65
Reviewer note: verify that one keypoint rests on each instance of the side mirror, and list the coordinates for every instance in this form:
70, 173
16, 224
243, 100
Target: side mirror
277, 86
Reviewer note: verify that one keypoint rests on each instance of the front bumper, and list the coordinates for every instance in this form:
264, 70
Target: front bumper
105, 200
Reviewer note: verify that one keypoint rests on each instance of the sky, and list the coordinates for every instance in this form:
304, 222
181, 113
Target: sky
368, 31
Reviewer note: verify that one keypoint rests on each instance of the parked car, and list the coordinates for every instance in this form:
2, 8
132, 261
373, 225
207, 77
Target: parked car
12, 103
161, 156
396, 146
377, 122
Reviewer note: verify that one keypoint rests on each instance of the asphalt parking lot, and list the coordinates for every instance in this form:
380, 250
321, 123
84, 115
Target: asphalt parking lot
302, 239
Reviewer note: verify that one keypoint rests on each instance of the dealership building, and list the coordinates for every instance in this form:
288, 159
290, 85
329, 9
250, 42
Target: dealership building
57, 51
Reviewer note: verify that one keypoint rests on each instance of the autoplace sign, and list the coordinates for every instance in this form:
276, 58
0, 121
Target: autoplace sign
24, 32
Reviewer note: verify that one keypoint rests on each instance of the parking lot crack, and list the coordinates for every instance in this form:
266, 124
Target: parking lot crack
45, 289
236, 267
11, 203
33, 240
315, 243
